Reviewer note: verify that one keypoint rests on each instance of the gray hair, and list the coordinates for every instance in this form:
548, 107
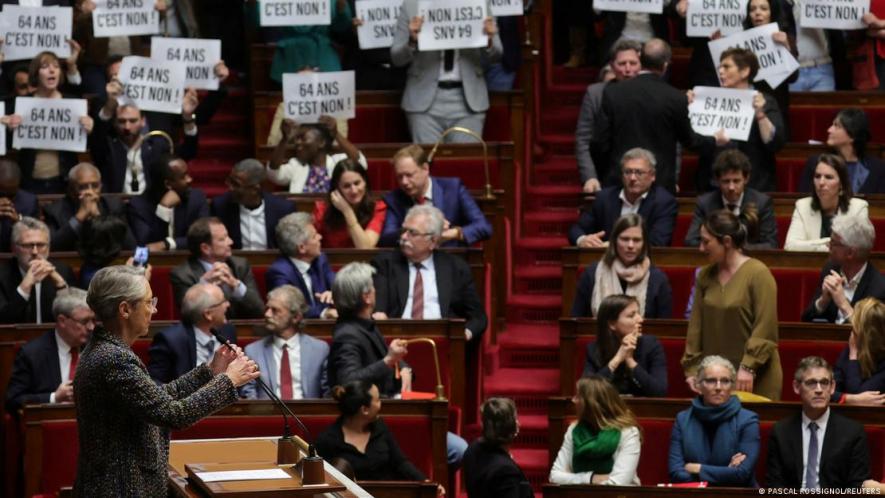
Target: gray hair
67, 300
810, 362
435, 217
639, 153
351, 282
713, 361
28, 223
253, 169
197, 299
292, 296
72, 174
113, 285
856, 232
291, 232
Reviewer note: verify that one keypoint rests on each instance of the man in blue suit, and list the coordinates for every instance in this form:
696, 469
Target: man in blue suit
14, 203
303, 265
638, 195
178, 349
291, 362
465, 224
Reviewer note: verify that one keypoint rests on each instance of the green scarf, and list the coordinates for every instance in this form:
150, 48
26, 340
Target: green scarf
593, 451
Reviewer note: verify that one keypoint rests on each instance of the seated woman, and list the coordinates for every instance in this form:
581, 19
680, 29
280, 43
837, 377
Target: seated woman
602, 446
488, 468
362, 438
355, 218
715, 440
625, 269
832, 195
633, 362
860, 369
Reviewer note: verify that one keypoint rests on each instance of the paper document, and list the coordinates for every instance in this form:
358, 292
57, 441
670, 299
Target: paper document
243, 475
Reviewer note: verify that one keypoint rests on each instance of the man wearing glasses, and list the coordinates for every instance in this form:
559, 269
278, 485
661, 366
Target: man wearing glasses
179, 348
834, 451
29, 282
44, 367
639, 194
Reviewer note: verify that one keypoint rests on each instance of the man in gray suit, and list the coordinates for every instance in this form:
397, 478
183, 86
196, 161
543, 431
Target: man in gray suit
292, 363
444, 88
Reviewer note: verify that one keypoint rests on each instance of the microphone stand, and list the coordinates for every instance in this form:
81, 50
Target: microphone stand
485, 153
440, 389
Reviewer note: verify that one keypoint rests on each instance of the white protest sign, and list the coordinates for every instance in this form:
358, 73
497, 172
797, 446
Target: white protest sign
776, 63
705, 17
51, 124
452, 24
833, 14
27, 31
647, 6
503, 8
153, 85
379, 22
295, 12
2, 130
715, 109
125, 18
307, 96
198, 56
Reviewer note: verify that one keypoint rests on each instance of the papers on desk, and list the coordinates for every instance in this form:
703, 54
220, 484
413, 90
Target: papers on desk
243, 475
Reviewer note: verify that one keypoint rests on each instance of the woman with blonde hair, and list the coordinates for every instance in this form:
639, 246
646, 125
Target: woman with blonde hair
860, 369
602, 446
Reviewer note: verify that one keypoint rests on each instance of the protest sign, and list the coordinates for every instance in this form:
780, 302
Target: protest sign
776, 63
647, 6
503, 8
452, 24
198, 56
125, 18
705, 17
379, 22
307, 96
295, 12
27, 31
715, 109
50, 124
833, 14
153, 85
2, 130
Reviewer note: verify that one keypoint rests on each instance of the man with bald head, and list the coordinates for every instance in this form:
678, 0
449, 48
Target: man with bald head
14, 202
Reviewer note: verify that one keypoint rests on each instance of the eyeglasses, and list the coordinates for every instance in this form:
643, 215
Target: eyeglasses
83, 187
411, 232
713, 382
813, 383
638, 173
154, 301
83, 321
33, 245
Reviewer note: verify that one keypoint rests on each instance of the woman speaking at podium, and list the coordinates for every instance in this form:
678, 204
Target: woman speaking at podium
123, 417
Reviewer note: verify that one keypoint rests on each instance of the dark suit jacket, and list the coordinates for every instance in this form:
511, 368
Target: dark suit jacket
228, 211
35, 374
26, 204
844, 459
649, 378
357, 353
874, 184
712, 201
283, 271
147, 227
658, 210
449, 196
658, 296
173, 352
454, 284
64, 237
14, 309
189, 273
872, 284
489, 471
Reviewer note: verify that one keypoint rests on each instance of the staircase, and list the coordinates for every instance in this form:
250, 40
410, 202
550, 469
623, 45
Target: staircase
223, 142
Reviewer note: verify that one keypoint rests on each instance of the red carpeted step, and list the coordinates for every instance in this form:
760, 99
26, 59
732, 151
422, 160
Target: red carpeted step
548, 223
558, 144
540, 250
541, 279
556, 170
533, 463
529, 345
534, 307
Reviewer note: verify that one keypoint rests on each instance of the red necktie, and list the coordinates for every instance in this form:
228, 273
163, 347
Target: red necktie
285, 375
418, 294
75, 356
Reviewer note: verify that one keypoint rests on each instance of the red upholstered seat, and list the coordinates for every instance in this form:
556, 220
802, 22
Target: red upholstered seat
789, 170
140, 348
681, 280
258, 272
795, 288
811, 122
683, 222
471, 171
60, 448
162, 287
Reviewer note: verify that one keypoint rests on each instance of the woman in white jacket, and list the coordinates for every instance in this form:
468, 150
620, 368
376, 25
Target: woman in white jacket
602, 446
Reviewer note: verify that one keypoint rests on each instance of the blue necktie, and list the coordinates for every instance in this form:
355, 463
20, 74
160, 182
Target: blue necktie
811, 465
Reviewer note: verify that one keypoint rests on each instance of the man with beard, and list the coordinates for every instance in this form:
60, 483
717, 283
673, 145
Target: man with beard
161, 215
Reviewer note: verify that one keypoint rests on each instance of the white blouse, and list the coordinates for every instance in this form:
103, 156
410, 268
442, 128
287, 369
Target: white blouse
626, 458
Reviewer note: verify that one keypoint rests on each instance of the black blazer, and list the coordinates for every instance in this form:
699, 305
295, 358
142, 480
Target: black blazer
64, 237
147, 227
658, 296
658, 210
712, 201
874, 184
649, 377
228, 211
872, 284
14, 309
454, 284
357, 353
489, 471
844, 459
36, 373
189, 273
26, 204
173, 352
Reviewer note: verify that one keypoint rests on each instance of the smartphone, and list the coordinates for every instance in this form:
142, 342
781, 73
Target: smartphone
141, 256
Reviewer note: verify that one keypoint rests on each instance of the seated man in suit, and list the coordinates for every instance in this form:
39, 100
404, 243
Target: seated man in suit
211, 261
834, 451
465, 223
421, 282
29, 281
14, 202
303, 264
250, 213
849, 275
292, 363
178, 349
44, 367
639, 194
161, 215
732, 172
83, 201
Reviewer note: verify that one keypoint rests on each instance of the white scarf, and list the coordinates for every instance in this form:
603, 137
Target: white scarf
608, 282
